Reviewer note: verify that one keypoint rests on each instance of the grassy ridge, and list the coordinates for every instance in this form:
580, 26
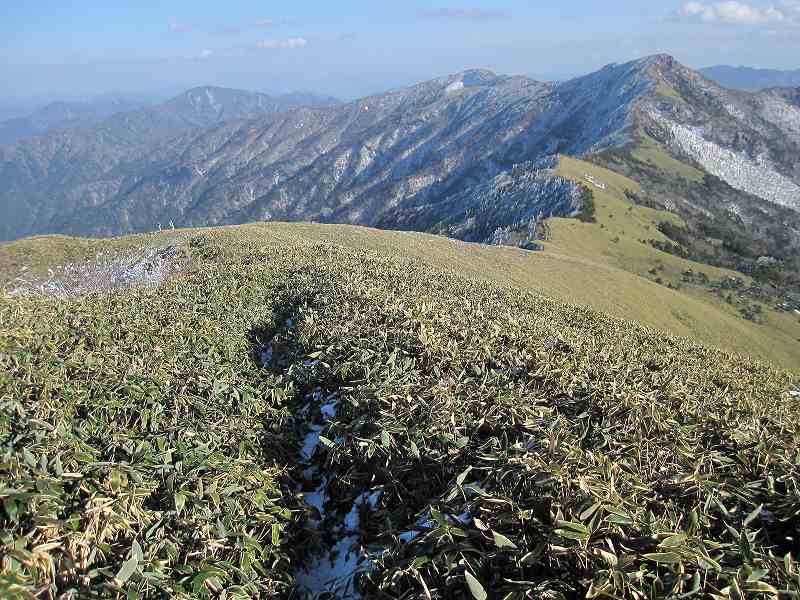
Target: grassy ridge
554, 451
620, 239
648, 151
580, 265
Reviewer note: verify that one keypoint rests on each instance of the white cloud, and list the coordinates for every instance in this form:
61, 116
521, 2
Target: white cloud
288, 43
264, 23
206, 53
733, 12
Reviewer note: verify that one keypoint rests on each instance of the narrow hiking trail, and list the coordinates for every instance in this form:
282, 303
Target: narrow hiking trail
329, 570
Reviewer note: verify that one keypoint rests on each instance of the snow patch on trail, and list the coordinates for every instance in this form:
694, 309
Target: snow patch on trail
333, 569
330, 571
454, 87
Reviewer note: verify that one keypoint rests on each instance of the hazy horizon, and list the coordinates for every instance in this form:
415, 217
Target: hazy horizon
355, 48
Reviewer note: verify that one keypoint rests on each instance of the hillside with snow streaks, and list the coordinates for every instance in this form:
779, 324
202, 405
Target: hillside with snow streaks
782, 107
390, 159
757, 177
507, 209
354, 163
600, 106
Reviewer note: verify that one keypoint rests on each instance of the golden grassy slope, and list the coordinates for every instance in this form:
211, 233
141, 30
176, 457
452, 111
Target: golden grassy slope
648, 151
619, 240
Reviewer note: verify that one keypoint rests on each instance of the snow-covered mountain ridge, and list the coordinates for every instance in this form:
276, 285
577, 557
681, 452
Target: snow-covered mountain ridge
750, 141
372, 160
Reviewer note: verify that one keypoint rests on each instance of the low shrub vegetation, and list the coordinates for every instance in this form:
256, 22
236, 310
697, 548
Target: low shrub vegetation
516, 447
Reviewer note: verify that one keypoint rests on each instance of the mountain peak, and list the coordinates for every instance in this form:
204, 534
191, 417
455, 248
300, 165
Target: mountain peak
646, 62
200, 89
209, 91
666, 66
662, 60
472, 77
465, 79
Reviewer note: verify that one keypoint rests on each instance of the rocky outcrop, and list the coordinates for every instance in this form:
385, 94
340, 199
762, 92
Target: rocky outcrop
507, 209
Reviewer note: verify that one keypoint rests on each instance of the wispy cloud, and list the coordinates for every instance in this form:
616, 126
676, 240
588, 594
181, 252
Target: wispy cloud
283, 44
464, 14
176, 26
264, 23
206, 53
733, 12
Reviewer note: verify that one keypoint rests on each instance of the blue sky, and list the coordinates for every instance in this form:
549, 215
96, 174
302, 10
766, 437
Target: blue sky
350, 48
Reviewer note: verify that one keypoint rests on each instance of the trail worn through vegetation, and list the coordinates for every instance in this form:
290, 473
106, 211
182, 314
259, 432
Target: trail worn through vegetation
336, 556
442, 436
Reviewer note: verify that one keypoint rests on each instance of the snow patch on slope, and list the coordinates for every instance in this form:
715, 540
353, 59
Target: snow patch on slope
212, 101
757, 177
331, 570
735, 112
146, 267
456, 86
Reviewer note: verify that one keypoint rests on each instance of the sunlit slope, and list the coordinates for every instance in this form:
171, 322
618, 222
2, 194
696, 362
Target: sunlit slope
620, 239
580, 265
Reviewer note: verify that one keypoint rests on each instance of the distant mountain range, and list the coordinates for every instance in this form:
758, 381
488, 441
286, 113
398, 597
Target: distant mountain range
58, 115
73, 168
465, 154
749, 79
63, 115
